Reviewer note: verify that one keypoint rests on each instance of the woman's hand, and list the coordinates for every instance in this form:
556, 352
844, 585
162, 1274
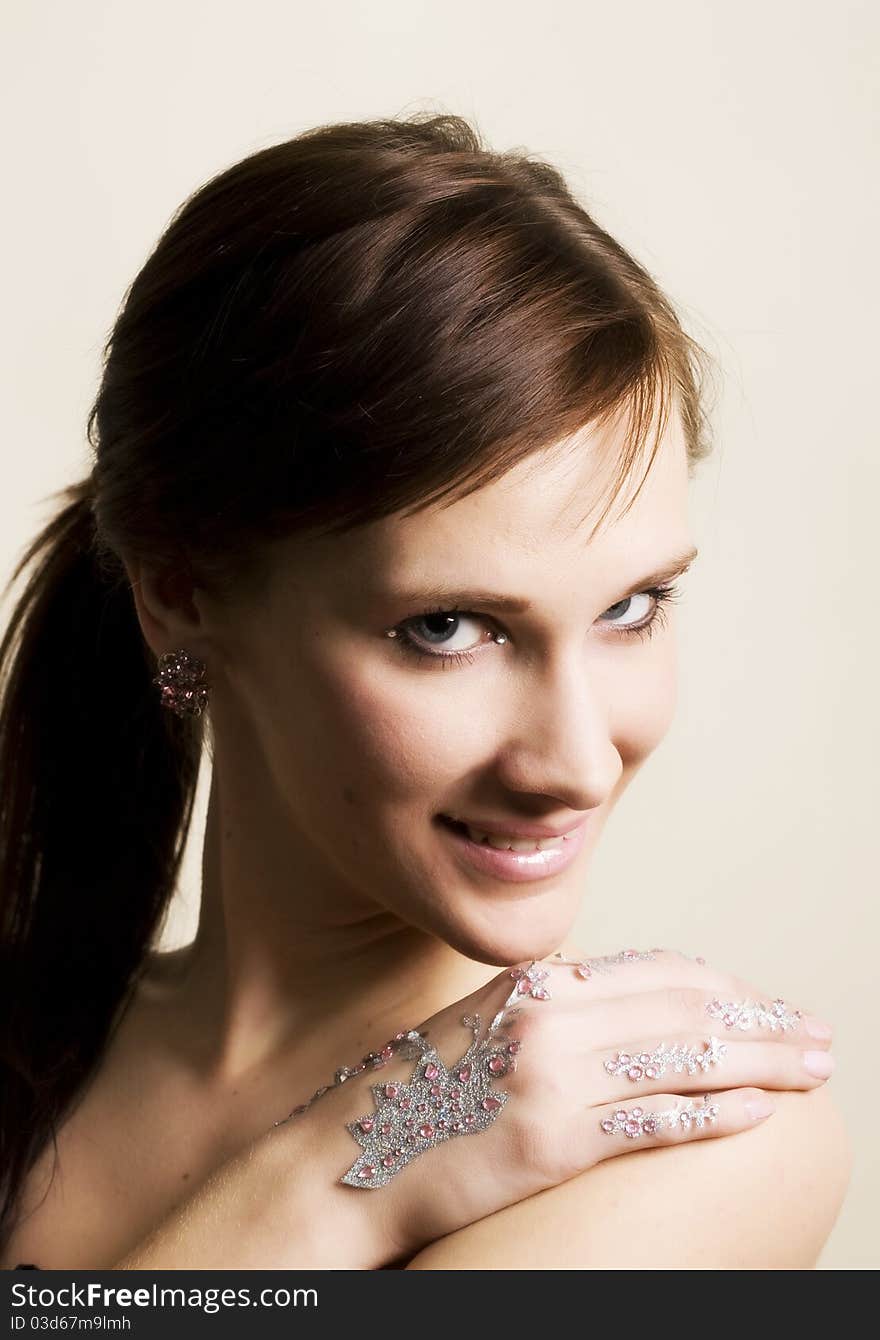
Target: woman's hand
589, 1081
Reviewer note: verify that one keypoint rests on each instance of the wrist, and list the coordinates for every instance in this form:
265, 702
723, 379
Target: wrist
330, 1225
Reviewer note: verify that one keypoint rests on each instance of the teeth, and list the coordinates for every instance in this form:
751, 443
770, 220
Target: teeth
504, 843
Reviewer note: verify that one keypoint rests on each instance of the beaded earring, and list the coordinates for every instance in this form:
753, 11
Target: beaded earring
182, 681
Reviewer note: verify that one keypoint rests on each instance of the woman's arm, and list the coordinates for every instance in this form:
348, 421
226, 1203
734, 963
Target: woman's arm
766, 1198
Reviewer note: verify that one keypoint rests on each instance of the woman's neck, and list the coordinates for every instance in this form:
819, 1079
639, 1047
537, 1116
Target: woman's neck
272, 969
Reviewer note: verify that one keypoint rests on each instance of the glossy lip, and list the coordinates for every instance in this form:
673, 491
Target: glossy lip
517, 867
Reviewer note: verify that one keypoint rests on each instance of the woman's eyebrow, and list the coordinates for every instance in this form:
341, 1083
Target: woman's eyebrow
465, 596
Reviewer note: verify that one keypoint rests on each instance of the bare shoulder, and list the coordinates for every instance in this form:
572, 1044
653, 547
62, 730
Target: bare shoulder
766, 1198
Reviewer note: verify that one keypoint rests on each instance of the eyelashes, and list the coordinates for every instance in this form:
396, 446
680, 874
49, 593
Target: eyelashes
410, 645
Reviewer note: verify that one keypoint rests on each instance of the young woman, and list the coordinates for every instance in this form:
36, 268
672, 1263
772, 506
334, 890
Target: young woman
392, 449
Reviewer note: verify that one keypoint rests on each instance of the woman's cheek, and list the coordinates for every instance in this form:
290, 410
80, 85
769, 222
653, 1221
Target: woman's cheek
394, 733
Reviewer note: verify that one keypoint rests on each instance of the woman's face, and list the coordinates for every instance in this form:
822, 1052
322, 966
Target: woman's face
360, 743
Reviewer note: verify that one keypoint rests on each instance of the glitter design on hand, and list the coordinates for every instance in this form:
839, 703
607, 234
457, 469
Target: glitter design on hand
440, 1102
637, 1122
651, 1065
747, 1014
604, 964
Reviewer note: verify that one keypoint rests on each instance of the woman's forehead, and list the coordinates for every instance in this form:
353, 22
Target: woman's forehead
547, 504
529, 530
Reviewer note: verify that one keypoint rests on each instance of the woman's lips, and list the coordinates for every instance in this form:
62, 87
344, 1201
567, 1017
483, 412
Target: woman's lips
514, 866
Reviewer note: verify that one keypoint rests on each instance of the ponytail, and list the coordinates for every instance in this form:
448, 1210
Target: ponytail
353, 324
97, 784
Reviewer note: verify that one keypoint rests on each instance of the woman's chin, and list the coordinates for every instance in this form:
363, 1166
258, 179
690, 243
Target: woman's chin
503, 939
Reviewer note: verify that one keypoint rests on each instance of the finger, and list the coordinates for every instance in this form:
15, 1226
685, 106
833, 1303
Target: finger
671, 1119
671, 1011
646, 1070
633, 971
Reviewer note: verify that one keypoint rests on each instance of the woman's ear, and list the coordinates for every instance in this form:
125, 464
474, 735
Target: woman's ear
166, 607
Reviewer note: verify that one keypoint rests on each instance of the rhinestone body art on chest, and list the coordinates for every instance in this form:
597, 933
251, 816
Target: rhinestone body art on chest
651, 1065
748, 1014
440, 1102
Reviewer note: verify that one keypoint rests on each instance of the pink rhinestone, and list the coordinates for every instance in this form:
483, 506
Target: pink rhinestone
470, 1119
422, 1107
584, 970
386, 1128
497, 1064
386, 1053
611, 1067
624, 1058
514, 1045
632, 1128
431, 1071
636, 1112
651, 1072
491, 1103
649, 1125
453, 1093
404, 1103
409, 1123
367, 1170
464, 1074
635, 1072
388, 1160
523, 986
608, 1126
644, 1058
441, 1124
436, 1091
398, 1037
366, 1125
729, 1020
426, 1131
517, 973
540, 993
391, 1090
621, 1115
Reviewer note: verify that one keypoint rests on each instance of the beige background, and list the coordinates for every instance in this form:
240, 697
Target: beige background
732, 147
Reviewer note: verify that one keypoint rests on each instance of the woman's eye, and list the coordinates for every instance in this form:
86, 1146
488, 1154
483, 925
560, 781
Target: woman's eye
624, 608
443, 629
449, 636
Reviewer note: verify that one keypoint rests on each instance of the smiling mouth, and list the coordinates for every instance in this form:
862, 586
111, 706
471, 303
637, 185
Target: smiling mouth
501, 841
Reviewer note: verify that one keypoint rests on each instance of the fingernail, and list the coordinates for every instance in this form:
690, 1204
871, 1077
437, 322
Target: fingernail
817, 1029
757, 1108
819, 1064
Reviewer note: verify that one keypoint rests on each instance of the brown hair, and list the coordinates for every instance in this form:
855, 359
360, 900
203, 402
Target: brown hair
367, 318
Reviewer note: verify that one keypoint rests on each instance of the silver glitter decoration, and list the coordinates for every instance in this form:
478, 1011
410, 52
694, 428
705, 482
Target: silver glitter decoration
651, 1065
439, 1101
747, 1014
586, 967
637, 1122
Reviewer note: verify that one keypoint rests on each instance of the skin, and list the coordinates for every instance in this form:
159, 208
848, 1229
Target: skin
333, 912
329, 897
